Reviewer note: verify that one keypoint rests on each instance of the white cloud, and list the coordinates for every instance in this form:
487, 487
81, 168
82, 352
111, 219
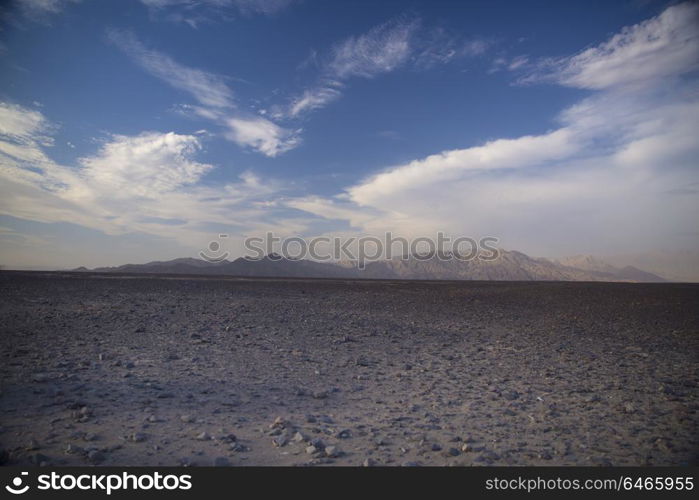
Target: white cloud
498, 154
131, 184
23, 132
261, 135
661, 47
146, 165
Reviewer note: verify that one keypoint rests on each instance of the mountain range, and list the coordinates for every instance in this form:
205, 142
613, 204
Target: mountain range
510, 266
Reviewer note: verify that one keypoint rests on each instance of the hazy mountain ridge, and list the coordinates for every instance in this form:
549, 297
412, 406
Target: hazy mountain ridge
511, 266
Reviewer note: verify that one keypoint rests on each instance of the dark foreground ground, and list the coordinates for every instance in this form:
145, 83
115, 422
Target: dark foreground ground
145, 371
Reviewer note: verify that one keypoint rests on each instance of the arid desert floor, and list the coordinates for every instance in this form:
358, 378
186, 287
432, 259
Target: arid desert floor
138, 370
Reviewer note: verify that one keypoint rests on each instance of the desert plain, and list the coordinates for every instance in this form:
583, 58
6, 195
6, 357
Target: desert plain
126, 370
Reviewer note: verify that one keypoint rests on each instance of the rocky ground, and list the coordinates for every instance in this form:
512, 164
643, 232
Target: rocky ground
119, 370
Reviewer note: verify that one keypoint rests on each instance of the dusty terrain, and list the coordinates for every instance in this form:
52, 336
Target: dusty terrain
118, 370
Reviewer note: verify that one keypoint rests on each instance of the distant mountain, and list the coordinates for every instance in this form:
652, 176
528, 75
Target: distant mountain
269, 266
511, 266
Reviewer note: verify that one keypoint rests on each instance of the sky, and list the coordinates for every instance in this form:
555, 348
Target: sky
139, 130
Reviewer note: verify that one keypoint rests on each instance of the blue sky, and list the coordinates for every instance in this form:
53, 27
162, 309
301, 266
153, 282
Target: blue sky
138, 130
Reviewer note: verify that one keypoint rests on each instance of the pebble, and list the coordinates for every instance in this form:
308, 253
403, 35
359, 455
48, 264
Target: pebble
280, 440
332, 451
203, 436
317, 443
279, 422
187, 419
137, 437
71, 449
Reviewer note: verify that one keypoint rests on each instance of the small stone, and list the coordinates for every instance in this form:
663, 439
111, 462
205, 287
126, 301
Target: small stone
298, 437
332, 452
187, 419
89, 436
239, 448
369, 462
435, 447
203, 436
40, 377
228, 438
629, 408
137, 437
310, 449
318, 443
279, 422
32, 445
452, 452
320, 394
280, 440
71, 449
344, 434
466, 448
511, 395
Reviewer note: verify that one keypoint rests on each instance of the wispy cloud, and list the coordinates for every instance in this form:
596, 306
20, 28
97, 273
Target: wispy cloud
394, 44
315, 98
380, 50
438, 46
207, 88
215, 97
661, 47
196, 12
